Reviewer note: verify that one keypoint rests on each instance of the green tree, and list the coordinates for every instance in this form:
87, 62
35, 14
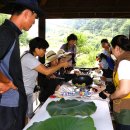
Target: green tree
89, 32
23, 38
124, 29
3, 17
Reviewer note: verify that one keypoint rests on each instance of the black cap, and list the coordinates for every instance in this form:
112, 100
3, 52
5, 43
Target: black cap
29, 4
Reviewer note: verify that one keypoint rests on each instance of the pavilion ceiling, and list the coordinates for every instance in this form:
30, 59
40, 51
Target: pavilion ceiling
82, 8
86, 8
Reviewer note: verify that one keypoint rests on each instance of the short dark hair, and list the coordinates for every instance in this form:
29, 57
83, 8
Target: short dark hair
122, 41
72, 37
39, 43
104, 41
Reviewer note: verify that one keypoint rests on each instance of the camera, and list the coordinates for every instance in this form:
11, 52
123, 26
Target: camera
110, 88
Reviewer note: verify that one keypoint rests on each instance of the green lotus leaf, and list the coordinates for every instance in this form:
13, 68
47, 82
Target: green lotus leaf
64, 123
71, 107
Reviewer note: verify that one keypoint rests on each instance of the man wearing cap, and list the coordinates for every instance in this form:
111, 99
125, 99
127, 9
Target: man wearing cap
13, 102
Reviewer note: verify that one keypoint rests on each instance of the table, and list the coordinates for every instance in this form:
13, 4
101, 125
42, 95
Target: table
102, 118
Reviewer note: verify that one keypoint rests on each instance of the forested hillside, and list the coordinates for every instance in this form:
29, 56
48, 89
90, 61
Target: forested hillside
89, 32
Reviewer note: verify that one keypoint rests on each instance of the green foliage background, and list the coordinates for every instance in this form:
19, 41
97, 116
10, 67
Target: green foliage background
23, 38
89, 32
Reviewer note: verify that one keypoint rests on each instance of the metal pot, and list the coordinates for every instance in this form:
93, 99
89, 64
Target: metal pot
82, 79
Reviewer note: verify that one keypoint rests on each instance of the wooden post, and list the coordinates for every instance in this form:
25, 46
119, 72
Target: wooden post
129, 33
41, 27
41, 33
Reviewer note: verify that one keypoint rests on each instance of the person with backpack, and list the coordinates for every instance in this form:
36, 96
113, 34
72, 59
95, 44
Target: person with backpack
106, 64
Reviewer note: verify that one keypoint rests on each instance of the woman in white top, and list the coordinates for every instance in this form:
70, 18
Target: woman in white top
121, 77
31, 66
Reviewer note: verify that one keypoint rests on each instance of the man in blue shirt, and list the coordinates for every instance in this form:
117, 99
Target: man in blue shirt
13, 102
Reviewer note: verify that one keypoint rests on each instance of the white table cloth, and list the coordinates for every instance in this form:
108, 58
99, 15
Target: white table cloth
102, 118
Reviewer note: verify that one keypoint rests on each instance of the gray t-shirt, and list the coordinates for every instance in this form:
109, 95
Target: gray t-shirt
29, 63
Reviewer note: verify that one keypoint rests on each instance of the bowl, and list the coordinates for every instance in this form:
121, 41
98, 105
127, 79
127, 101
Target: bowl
82, 81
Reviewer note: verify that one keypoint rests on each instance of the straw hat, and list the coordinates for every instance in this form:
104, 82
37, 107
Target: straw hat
51, 56
61, 53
